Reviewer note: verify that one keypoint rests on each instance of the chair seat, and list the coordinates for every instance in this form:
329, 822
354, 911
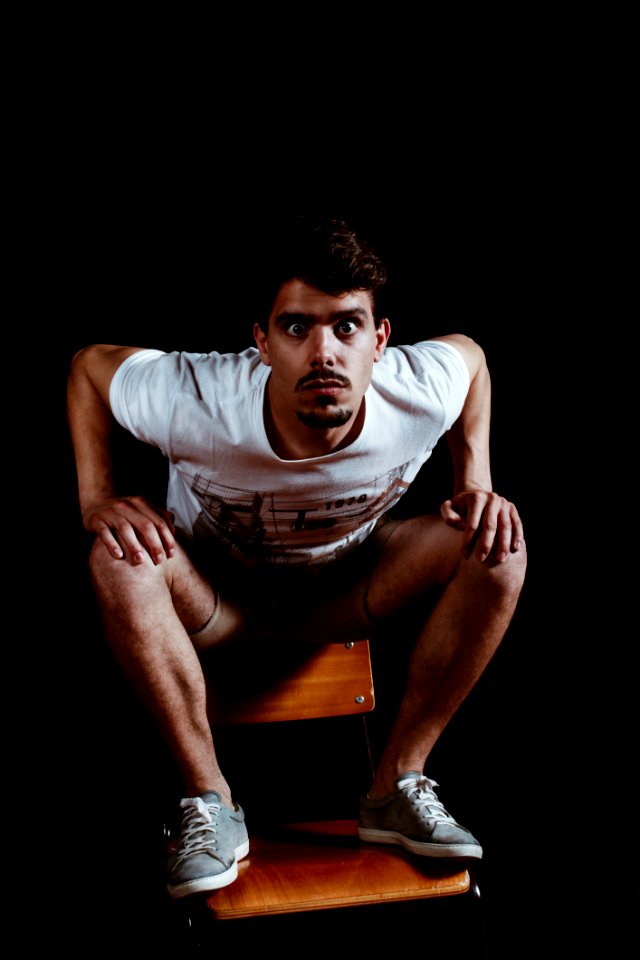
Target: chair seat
323, 865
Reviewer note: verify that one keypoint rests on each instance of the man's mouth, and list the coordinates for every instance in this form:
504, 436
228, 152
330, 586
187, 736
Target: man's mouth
328, 387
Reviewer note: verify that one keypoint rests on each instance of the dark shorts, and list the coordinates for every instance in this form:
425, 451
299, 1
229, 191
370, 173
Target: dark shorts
321, 603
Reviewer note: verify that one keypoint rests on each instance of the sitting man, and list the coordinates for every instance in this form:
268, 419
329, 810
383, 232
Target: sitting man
285, 460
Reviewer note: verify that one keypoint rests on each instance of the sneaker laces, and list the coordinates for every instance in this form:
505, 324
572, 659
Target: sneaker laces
199, 823
420, 790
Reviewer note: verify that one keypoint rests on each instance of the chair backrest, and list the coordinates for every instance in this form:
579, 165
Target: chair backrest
289, 682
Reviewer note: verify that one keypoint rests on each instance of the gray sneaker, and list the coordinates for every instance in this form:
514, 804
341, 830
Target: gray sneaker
413, 817
212, 840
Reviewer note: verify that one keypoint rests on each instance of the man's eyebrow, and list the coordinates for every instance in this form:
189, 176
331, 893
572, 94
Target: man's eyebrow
356, 312
291, 317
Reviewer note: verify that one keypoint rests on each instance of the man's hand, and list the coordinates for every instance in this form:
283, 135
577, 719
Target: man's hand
131, 528
490, 523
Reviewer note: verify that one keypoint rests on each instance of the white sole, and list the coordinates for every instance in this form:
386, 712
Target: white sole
215, 882
461, 851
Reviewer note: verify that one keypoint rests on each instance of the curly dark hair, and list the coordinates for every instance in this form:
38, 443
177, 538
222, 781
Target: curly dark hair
326, 254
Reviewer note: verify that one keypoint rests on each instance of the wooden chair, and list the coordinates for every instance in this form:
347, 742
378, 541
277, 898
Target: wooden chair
315, 865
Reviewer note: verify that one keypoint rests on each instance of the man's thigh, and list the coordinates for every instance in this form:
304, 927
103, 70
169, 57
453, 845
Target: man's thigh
419, 558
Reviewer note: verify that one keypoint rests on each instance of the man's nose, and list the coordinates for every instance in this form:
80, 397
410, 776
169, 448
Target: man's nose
322, 347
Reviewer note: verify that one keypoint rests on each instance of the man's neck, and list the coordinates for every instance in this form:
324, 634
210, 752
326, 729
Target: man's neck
296, 441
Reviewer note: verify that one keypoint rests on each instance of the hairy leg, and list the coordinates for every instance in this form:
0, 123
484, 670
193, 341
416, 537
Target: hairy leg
457, 641
149, 612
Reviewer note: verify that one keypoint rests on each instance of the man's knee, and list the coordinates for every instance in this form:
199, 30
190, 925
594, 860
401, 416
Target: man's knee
109, 574
506, 578
515, 568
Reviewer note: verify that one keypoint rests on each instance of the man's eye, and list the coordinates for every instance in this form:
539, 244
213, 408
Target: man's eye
296, 329
347, 326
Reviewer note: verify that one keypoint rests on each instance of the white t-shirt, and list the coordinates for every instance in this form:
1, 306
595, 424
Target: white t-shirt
205, 412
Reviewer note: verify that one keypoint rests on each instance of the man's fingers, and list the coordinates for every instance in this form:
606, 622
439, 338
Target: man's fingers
486, 539
155, 537
130, 525
474, 525
156, 529
451, 516
491, 524
127, 537
517, 532
504, 536
110, 542
482, 525
121, 542
497, 535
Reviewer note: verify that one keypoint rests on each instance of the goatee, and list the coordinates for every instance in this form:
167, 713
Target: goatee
324, 419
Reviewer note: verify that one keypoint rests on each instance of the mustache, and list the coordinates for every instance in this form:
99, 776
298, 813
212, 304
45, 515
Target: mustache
326, 373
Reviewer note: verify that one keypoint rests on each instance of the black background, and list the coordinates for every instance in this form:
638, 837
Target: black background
147, 248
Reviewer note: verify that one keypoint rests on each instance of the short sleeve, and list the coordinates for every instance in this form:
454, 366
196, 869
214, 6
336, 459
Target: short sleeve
447, 376
141, 395
428, 380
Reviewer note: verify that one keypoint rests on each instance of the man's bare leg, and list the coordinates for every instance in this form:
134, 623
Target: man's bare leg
149, 612
457, 641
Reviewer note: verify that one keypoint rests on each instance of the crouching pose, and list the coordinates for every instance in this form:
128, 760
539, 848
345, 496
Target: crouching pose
285, 460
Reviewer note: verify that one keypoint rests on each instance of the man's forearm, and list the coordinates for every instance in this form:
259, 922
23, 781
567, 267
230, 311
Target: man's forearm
90, 422
469, 436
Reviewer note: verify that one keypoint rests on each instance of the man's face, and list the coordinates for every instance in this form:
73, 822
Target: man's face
321, 349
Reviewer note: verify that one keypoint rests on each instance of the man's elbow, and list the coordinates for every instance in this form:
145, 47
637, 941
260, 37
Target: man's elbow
86, 355
93, 367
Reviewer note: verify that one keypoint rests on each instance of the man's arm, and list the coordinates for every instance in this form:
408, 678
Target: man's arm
490, 522
128, 526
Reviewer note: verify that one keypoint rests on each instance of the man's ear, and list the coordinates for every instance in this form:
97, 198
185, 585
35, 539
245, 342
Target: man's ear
383, 332
260, 338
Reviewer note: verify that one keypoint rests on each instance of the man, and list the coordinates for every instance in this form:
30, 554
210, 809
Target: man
284, 463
